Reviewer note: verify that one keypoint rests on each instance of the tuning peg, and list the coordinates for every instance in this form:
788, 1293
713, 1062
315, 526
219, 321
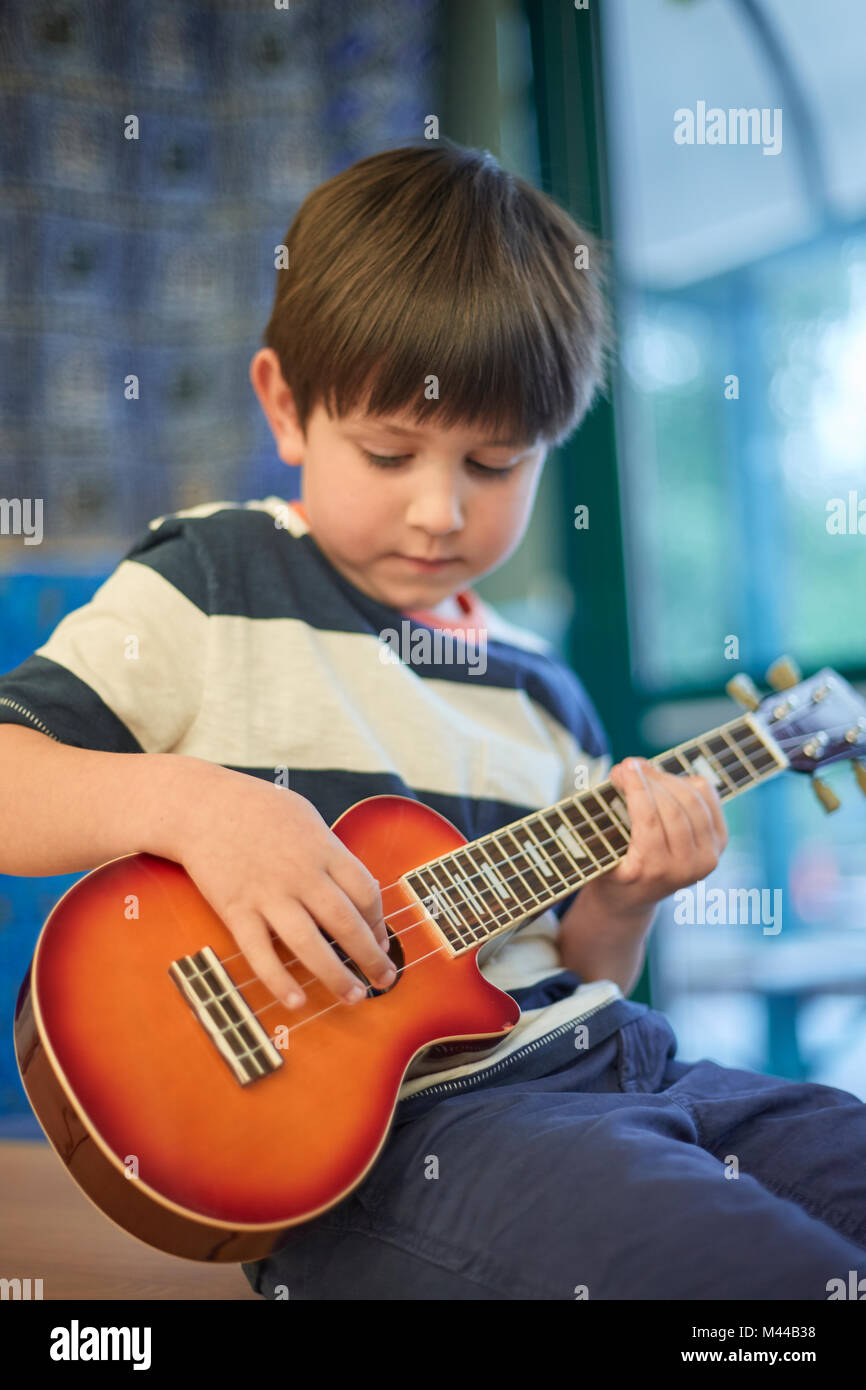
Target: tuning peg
859, 773
784, 673
827, 797
743, 689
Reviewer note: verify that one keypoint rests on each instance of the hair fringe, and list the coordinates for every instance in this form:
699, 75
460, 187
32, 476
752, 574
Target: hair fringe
432, 261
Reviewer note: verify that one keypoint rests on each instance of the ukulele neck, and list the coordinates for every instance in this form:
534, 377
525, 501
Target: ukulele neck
520, 870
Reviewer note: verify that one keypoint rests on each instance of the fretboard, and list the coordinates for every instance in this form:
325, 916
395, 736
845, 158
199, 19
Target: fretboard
520, 870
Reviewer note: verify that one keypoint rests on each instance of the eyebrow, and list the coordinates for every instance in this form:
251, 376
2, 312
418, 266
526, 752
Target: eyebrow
416, 434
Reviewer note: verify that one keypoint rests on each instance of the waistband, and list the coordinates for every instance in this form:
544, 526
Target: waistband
539, 1058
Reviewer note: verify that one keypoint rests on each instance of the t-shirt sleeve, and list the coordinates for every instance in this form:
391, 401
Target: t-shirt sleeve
123, 673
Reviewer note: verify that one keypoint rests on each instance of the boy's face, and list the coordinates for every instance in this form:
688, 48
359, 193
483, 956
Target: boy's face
434, 501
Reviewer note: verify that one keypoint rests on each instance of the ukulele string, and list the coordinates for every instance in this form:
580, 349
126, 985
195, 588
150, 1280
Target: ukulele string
724, 762
388, 918
601, 863
336, 1002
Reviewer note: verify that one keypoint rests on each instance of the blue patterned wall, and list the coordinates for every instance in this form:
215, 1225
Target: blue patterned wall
155, 257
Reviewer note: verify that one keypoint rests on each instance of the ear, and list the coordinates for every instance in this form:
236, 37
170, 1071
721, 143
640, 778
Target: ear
278, 405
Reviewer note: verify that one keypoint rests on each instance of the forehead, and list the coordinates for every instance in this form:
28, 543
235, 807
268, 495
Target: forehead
406, 426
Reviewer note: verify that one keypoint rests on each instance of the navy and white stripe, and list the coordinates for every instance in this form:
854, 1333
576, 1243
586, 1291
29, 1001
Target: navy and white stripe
225, 633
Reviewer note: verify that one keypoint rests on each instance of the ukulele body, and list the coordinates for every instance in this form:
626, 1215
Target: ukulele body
153, 1122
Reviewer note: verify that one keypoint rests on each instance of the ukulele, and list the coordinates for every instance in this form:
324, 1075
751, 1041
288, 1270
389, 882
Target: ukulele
204, 1117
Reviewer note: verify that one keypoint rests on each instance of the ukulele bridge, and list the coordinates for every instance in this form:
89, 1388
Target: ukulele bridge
225, 1015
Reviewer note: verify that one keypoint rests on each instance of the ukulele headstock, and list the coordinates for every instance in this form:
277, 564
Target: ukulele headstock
816, 722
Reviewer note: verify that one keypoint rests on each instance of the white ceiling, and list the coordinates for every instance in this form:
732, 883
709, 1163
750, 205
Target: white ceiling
684, 212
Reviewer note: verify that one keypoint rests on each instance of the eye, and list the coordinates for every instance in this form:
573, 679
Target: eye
490, 472
389, 461
383, 460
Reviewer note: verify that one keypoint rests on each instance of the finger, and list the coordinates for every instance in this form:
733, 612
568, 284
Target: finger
363, 895
362, 890
647, 837
695, 795
251, 932
338, 915
705, 795
710, 793
302, 933
678, 816
703, 847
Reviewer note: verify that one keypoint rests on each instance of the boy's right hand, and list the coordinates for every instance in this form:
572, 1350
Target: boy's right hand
263, 857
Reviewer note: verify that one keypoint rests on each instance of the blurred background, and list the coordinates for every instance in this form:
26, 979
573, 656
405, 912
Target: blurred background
708, 507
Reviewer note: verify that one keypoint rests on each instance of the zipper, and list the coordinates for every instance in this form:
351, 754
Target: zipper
22, 709
512, 1056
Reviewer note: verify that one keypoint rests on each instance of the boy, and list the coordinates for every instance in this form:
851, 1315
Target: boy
430, 338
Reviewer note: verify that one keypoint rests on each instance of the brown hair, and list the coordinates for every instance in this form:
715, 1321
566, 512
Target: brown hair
431, 259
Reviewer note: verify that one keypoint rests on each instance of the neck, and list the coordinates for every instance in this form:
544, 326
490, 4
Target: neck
519, 871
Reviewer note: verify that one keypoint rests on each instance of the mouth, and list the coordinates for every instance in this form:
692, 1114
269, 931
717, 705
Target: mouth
428, 564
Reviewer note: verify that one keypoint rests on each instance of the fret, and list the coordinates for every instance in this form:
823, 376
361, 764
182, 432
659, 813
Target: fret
546, 853
497, 881
718, 765
697, 761
732, 758
588, 832
731, 735
616, 809
674, 764
594, 815
435, 898
720, 750
474, 887
736, 772
708, 759
739, 733
746, 733
570, 848
711, 757
601, 812
760, 756
462, 900
480, 889
523, 867
577, 831
503, 863
440, 891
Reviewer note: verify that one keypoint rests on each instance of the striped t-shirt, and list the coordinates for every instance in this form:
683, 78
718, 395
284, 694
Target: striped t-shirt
253, 651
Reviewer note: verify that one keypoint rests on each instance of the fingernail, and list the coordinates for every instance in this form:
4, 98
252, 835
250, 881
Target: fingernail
354, 994
295, 1000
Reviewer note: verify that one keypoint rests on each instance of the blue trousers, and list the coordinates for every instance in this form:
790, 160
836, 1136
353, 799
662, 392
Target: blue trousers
614, 1172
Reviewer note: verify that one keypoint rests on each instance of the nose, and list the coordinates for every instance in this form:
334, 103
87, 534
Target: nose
438, 511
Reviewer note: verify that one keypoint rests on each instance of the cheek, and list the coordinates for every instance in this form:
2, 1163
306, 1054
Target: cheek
501, 519
345, 506
335, 482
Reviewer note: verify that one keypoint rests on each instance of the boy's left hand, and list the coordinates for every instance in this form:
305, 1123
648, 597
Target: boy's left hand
678, 833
